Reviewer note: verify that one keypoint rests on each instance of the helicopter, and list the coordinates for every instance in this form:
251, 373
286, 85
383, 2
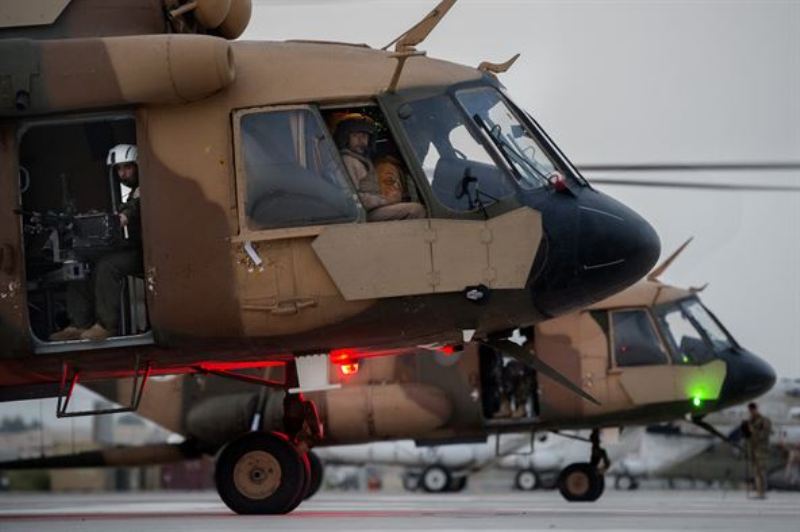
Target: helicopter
257, 251
651, 354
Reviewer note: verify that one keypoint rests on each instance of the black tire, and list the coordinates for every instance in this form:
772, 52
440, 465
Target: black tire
457, 484
581, 483
315, 475
527, 480
435, 479
260, 473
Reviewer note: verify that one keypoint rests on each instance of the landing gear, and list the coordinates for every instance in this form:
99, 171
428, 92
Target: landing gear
435, 479
261, 473
271, 472
581, 482
527, 480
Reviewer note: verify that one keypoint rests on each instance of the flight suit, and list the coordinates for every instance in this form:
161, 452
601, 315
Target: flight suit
379, 208
760, 429
98, 298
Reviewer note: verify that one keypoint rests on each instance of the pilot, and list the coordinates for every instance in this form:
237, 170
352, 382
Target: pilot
93, 305
757, 430
354, 135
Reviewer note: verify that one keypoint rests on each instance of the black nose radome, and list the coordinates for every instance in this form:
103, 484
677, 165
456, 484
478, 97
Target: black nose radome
596, 247
747, 377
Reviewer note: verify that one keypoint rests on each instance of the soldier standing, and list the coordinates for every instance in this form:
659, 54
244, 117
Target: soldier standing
758, 430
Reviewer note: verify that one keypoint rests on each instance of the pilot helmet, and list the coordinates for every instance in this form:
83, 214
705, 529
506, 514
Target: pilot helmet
348, 123
121, 153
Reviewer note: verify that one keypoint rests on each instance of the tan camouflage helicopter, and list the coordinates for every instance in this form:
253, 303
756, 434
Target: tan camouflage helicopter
652, 353
255, 242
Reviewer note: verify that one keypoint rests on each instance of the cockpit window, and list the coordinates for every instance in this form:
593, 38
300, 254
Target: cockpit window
462, 174
635, 340
292, 177
693, 334
511, 138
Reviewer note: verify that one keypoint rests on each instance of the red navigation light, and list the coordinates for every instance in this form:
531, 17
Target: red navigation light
349, 369
447, 349
341, 356
345, 360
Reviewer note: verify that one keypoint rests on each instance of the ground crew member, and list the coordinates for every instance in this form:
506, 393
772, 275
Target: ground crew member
93, 305
354, 136
757, 431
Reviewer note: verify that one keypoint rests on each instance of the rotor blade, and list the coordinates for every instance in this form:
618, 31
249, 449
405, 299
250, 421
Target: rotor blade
160, 453
526, 357
690, 167
704, 186
712, 430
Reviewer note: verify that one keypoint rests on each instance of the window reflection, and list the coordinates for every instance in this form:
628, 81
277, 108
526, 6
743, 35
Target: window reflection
635, 340
448, 152
693, 334
293, 178
513, 140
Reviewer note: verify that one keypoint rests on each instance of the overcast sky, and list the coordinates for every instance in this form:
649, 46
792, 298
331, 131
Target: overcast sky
642, 81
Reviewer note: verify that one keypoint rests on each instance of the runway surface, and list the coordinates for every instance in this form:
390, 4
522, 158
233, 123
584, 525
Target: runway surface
337, 511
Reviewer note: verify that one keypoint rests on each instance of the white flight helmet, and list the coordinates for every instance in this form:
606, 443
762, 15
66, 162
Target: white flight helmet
121, 153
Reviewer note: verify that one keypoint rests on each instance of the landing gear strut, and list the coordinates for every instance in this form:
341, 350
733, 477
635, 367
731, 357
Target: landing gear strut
270, 472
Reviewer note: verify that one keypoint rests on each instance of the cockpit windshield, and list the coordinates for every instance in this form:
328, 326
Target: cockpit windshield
511, 137
693, 333
462, 173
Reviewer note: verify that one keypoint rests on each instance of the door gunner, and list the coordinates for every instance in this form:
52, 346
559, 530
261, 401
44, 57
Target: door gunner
93, 305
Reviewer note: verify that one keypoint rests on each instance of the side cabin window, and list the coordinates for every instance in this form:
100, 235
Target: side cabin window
291, 174
636, 342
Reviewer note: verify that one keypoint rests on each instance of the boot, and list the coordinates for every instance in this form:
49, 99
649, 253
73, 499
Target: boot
67, 334
96, 333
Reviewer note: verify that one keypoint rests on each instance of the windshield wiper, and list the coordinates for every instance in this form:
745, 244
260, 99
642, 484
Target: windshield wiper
508, 152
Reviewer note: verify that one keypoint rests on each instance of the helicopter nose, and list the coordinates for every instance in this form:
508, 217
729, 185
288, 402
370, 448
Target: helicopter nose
747, 377
595, 250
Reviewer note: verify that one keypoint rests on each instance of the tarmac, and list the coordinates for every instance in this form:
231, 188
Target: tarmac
336, 511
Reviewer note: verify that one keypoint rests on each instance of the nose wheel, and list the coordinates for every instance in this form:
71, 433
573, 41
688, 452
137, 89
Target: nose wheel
262, 473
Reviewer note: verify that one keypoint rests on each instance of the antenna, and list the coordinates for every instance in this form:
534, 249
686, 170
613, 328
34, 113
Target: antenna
408, 41
661, 268
498, 68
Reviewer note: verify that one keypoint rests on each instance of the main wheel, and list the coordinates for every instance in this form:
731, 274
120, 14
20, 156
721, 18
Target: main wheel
261, 473
581, 483
527, 480
435, 479
316, 474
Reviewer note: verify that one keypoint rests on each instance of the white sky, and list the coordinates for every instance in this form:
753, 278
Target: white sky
642, 81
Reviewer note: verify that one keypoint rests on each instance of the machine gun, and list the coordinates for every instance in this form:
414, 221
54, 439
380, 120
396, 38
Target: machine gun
74, 241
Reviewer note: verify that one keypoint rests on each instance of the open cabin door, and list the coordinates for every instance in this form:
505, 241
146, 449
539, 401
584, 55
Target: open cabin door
14, 338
